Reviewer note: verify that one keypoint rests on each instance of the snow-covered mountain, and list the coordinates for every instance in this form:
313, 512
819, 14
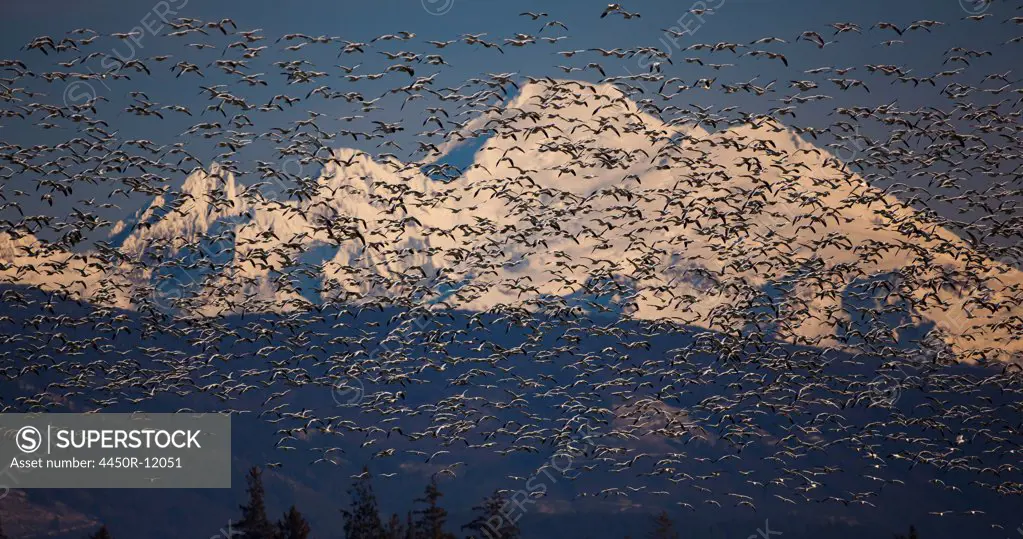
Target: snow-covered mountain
588, 202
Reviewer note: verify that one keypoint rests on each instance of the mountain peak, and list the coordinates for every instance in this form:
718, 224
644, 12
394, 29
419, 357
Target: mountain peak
204, 198
200, 183
556, 152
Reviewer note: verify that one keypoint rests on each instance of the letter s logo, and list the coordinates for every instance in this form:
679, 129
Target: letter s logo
28, 439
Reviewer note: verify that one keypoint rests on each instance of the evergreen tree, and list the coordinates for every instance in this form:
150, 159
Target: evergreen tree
292, 525
490, 521
395, 528
431, 519
664, 528
362, 519
410, 528
101, 533
912, 534
254, 522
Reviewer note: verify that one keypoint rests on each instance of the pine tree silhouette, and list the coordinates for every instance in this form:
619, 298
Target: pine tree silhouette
395, 528
101, 533
490, 521
664, 528
254, 522
362, 519
431, 519
292, 525
410, 528
912, 534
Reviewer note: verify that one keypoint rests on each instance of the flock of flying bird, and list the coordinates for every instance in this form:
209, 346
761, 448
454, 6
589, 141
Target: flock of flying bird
685, 293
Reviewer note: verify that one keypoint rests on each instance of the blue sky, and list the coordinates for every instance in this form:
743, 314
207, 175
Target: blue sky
732, 20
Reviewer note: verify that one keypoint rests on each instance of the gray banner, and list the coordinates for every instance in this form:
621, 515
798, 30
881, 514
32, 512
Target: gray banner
57, 450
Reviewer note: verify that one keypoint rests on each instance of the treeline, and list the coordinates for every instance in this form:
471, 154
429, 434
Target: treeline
492, 518
363, 519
